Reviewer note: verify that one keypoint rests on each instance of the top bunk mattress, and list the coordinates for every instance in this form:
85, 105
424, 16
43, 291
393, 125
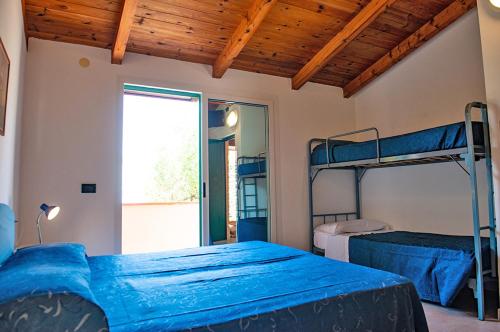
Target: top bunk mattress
252, 168
446, 137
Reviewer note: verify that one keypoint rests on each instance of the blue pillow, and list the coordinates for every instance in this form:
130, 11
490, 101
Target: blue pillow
47, 288
7, 232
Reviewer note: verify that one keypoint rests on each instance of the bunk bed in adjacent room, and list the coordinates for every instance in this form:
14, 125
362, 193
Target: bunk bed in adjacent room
252, 202
439, 265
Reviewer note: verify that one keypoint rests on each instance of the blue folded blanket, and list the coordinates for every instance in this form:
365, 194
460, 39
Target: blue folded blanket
47, 288
439, 265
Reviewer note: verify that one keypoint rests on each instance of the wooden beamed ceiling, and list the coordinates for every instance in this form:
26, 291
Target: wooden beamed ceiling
344, 43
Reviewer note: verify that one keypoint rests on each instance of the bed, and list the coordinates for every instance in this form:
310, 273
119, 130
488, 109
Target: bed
448, 137
438, 265
251, 286
467, 141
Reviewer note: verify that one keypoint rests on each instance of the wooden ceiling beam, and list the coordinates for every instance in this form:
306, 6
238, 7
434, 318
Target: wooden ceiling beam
439, 22
242, 35
351, 30
123, 33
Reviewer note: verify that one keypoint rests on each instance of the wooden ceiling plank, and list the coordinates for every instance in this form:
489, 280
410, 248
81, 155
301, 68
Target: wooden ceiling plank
336, 9
25, 21
54, 16
366, 16
242, 35
107, 5
68, 39
439, 22
121, 40
76, 9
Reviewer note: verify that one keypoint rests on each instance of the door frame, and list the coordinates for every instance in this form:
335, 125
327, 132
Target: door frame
207, 92
271, 158
127, 86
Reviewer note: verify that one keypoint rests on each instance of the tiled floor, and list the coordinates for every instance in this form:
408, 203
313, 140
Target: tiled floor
442, 319
462, 318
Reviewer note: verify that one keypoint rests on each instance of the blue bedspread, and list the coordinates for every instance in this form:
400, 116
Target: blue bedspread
434, 139
252, 168
251, 286
439, 265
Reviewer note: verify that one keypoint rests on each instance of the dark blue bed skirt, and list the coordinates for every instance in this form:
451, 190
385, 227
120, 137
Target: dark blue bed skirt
439, 265
252, 229
252, 168
447, 137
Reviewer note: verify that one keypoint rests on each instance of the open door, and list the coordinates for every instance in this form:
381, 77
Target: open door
217, 190
160, 170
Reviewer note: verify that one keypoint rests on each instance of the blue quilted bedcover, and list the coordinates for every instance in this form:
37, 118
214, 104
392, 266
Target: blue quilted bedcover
439, 265
251, 286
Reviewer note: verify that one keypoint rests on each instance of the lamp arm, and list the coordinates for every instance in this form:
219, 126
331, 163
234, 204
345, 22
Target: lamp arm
38, 227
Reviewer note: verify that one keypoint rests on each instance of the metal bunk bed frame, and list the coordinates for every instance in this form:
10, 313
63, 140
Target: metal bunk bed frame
471, 154
246, 210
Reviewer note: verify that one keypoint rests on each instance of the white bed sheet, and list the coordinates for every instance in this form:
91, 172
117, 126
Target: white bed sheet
337, 246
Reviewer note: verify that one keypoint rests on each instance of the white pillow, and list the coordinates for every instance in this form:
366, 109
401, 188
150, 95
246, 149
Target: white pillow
361, 225
351, 226
330, 228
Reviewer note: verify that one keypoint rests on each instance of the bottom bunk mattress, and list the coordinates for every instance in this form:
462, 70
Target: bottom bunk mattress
439, 265
252, 229
251, 286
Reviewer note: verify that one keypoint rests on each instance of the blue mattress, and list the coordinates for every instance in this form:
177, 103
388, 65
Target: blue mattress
252, 168
252, 229
447, 137
439, 265
251, 286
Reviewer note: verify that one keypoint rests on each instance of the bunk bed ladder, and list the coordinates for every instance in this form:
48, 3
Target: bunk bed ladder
470, 159
249, 195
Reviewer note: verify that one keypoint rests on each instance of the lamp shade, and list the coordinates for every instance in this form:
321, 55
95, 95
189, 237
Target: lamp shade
50, 211
232, 119
495, 3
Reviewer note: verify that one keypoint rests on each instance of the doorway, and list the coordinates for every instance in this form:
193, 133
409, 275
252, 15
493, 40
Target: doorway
238, 180
160, 169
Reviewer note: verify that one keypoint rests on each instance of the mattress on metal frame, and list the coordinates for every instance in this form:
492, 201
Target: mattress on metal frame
252, 168
446, 137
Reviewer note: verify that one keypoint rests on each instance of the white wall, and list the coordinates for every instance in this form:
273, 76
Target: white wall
12, 34
489, 22
72, 135
429, 88
251, 130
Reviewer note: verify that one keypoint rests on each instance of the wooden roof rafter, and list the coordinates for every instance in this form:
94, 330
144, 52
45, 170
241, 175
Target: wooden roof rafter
242, 35
340, 41
439, 22
123, 33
